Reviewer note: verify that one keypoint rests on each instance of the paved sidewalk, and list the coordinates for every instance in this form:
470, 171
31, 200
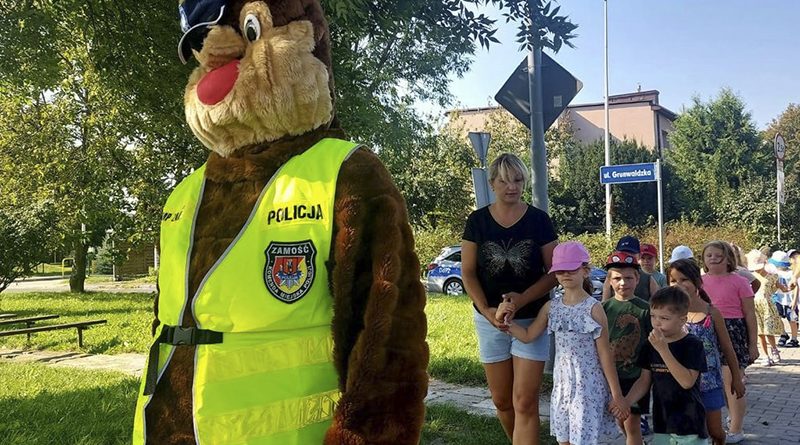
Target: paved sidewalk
773, 416
59, 284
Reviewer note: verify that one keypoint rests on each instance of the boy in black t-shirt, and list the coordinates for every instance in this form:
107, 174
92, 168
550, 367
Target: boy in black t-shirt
672, 361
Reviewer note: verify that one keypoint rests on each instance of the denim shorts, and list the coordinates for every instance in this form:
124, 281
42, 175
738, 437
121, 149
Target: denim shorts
640, 407
495, 346
786, 312
713, 399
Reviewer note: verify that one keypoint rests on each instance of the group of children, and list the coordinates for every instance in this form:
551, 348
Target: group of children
687, 342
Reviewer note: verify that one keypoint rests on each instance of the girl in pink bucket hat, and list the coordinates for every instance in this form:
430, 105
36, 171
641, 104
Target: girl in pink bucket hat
586, 389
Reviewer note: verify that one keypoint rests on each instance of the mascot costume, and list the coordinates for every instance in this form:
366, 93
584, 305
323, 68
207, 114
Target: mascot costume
290, 309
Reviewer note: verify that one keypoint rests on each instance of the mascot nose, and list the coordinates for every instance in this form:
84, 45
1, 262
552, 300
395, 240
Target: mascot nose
215, 85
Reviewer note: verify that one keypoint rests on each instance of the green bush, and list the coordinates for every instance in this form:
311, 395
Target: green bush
676, 233
429, 242
104, 262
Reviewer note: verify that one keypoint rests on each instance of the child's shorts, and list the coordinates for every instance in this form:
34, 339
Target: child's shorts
786, 312
640, 407
737, 330
713, 399
674, 439
495, 346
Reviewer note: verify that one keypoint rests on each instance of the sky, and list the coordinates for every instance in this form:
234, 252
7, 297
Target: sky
682, 48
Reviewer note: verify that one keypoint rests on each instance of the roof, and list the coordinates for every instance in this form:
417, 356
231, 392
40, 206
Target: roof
650, 96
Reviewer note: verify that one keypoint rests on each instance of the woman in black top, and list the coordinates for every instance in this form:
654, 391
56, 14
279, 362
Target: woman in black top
506, 250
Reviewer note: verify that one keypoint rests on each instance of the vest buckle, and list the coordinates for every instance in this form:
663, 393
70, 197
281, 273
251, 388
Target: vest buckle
179, 335
175, 335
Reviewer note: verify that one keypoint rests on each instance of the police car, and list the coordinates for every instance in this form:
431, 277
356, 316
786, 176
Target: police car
444, 274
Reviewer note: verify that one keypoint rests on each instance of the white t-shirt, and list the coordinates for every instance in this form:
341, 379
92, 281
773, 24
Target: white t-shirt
784, 278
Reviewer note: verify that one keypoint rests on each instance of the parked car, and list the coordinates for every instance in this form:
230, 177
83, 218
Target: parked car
597, 277
443, 274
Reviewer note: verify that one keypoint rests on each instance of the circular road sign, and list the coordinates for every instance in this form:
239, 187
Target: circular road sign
780, 147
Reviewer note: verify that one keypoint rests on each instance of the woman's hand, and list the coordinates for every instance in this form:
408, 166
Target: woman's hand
491, 314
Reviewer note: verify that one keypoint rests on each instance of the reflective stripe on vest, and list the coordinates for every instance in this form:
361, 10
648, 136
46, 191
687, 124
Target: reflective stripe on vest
272, 379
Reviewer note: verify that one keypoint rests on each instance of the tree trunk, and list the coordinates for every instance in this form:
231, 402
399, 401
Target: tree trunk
78, 276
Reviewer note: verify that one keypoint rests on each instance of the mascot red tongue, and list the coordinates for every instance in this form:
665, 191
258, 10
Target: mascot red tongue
215, 85
303, 328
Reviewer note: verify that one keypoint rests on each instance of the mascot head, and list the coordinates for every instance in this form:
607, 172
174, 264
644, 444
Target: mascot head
264, 70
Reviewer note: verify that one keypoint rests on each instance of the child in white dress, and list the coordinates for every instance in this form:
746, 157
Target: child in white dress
581, 406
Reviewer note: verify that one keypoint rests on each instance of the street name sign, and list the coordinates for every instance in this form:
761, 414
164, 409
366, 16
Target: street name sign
628, 173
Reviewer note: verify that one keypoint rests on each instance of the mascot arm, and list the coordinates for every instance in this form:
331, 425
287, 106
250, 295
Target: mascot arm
379, 320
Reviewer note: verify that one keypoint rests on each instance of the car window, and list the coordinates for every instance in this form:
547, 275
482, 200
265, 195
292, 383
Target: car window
455, 257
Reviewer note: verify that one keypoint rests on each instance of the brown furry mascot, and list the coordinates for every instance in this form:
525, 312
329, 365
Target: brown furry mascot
285, 225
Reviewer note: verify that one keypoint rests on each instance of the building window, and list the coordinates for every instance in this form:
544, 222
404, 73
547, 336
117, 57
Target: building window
665, 139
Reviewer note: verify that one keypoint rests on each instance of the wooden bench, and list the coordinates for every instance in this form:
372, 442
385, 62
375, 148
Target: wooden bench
80, 325
29, 321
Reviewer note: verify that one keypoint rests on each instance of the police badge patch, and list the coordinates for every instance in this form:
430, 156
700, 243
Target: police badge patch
289, 272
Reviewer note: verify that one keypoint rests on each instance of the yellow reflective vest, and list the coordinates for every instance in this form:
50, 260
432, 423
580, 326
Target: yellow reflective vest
267, 374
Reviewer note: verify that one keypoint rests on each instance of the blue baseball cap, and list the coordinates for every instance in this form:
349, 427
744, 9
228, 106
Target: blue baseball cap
628, 244
196, 17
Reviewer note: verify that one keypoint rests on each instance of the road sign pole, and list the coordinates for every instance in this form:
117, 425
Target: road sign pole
538, 151
778, 198
780, 153
660, 216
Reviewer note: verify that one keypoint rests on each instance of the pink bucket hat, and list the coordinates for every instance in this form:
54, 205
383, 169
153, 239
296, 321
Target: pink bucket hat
569, 256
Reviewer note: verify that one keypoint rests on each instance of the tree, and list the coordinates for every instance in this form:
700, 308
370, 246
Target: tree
23, 234
715, 150
389, 55
433, 175
94, 90
788, 125
94, 120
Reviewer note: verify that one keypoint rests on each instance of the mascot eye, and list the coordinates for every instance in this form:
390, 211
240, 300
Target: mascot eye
252, 28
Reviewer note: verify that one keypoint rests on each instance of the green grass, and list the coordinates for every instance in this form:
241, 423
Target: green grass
452, 340
46, 405
446, 424
62, 405
129, 317
451, 334
50, 270
125, 283
454, 344
147, 279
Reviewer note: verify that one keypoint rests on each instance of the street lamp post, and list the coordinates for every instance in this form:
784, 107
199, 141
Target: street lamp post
606, 132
